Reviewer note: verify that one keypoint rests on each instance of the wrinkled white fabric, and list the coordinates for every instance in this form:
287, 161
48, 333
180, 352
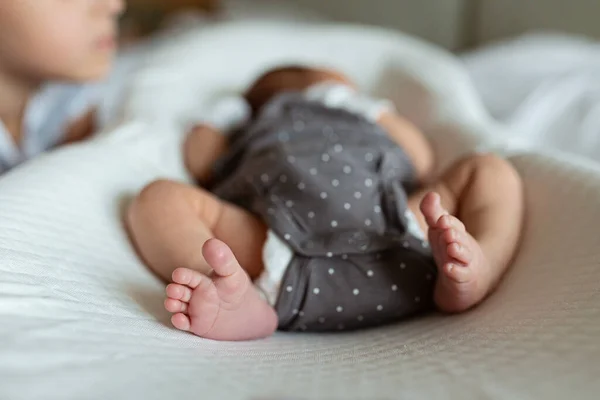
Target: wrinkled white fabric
545, 88
82, 318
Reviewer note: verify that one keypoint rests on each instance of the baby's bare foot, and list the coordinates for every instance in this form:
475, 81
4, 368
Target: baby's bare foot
224, 306
464, 272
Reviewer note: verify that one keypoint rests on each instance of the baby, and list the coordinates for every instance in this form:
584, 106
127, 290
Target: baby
51, 40
319, 214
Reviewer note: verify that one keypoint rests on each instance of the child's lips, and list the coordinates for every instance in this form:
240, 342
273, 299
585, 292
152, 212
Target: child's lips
107, 42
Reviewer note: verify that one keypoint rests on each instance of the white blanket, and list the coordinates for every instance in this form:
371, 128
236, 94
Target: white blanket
82, 318
545, 88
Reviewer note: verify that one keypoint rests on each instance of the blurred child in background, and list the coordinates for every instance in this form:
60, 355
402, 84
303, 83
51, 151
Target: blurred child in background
51, 53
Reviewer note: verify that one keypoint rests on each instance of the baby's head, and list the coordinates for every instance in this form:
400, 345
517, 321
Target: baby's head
288, 78
71, 40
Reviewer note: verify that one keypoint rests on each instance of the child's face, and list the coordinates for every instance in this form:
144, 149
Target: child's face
58, 39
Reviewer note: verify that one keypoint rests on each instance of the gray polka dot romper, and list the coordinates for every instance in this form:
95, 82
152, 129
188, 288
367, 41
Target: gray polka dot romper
333, 186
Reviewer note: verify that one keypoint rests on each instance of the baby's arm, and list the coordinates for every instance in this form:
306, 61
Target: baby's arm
203, 146
206, 142
414, 143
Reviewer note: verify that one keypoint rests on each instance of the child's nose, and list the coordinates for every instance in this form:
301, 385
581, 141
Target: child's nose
116, 6
112, 7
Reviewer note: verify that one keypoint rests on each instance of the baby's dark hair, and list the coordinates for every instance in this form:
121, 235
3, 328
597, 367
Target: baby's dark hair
284, 78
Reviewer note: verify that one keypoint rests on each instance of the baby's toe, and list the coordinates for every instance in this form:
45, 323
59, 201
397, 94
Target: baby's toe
449, 236
431, 208
220, 257
175, 306
454, 236
179, 292
458, 273
181, 322
187, 277
448, 221
460, 253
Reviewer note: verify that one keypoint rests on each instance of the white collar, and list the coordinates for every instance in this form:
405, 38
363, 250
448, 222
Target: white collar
11, 154
44, 121
338, 95
331, 93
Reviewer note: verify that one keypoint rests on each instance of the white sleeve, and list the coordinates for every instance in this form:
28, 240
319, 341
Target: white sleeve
225, 113
344, 97
373, 108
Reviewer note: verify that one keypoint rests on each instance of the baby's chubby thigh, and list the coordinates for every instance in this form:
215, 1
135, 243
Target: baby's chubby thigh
170, 221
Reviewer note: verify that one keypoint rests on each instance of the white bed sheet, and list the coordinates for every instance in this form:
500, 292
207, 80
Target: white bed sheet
545, 88
81, 318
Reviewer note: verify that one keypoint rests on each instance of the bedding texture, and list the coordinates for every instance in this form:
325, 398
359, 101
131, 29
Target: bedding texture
82, 318
541, 86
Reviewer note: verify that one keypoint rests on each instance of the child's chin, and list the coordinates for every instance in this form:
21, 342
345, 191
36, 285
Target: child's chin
91, 73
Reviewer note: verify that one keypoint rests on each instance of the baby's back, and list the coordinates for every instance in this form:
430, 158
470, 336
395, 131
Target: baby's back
330, 185
326, 174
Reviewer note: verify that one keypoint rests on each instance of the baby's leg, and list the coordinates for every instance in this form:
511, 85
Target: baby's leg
169, 223
411, 140
174, 225
474, 217
202, 148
